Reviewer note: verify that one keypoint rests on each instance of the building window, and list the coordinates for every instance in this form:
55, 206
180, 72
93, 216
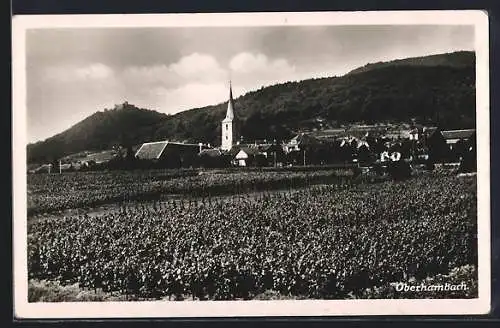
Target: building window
227, 127
226, 137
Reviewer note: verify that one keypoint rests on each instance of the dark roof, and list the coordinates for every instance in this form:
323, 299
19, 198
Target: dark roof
329, 133
429, 129
269, 147
103, 156
233, 151
249, 150
42, 167
367, 128
305, 139
458, 134
403, 134
151, 150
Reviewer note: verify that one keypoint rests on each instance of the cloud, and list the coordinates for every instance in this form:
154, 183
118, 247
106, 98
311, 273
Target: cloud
256, 69
89, 72
196, 64
188, 69
94, 71
199, 80
247, 63
187, 96
147, 76
195, 80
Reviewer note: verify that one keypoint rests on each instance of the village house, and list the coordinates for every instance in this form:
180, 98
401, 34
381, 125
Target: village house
454, 136
273, 153
170, 154
451, 145
300, 142
248, 156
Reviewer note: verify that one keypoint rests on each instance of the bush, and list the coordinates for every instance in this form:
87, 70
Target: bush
399, 170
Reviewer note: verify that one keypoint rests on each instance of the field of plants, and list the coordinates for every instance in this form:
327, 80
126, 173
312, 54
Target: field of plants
328, 241
53, 192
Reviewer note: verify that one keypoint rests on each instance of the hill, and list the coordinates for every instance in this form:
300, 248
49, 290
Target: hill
428, 89
444, 92
125, 125
454, 59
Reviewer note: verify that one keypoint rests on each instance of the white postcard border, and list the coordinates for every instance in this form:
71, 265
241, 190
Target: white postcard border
23, 309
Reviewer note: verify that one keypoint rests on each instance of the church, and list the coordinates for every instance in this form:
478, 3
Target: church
243, 154
229, 124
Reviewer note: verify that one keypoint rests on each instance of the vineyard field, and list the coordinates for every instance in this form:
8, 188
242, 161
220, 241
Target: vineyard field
332, 240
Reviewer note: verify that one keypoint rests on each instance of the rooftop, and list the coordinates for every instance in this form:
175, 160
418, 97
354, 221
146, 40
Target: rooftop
249, 150
211, 152
458, 134
151, 150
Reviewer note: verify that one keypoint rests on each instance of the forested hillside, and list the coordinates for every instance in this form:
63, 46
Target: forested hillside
102, 130
455, 59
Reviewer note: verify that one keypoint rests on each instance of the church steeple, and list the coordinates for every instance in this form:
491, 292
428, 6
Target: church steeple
227, 123
230, 112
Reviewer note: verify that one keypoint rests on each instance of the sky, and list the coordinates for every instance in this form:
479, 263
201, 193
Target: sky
74, 72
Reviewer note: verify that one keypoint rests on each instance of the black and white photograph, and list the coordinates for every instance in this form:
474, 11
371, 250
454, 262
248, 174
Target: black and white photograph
251, 164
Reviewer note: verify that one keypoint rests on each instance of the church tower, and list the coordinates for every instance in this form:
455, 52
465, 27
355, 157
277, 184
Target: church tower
228, 124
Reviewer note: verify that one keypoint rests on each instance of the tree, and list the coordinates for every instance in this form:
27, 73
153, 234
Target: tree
363, 154
399, 170
130, 155
55, 165
438, 149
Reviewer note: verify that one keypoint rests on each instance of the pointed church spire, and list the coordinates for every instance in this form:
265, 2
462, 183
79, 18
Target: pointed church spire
227, 123
230, 112
230, 90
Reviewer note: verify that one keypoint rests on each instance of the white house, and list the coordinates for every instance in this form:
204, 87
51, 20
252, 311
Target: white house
246, 156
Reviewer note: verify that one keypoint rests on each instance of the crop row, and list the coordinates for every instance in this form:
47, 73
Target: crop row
319, 242
48, 193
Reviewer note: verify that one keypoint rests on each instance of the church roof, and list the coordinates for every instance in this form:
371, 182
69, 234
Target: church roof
230, 105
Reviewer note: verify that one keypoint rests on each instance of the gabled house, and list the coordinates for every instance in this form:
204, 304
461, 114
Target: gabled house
169, 154
299, 142
453, 136
248, 156
273, 153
